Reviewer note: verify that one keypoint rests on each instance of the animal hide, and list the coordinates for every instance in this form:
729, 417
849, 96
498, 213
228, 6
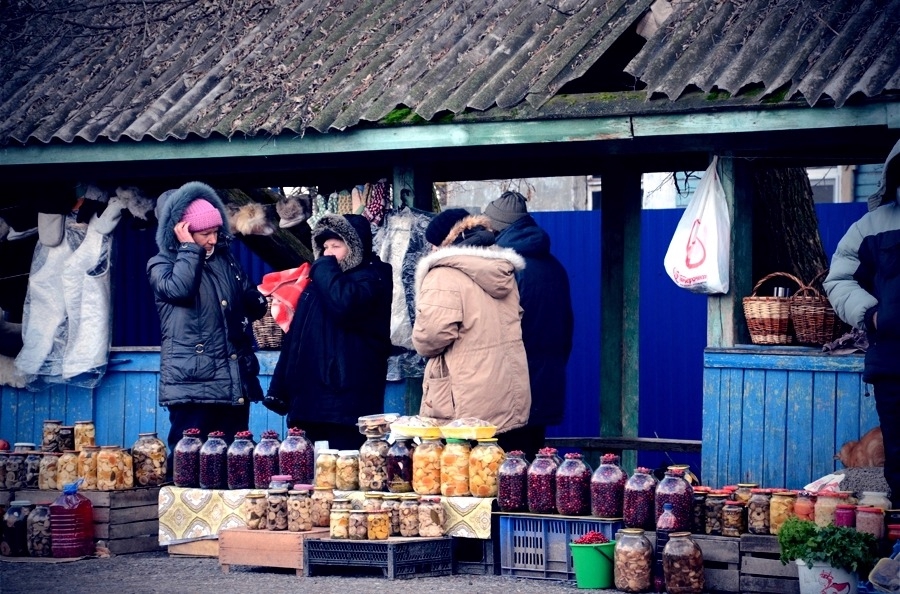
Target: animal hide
867, 452
250, 219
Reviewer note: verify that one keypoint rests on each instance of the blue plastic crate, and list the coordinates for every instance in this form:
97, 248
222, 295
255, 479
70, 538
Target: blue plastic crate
533, 546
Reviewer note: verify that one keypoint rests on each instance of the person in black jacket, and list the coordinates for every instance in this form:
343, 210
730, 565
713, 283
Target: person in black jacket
208, 370
333, 360
547, 321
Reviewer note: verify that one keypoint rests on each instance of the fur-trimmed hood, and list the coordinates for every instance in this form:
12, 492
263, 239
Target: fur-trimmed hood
890, 180
492, 268
170, 208
354, 230
474, 230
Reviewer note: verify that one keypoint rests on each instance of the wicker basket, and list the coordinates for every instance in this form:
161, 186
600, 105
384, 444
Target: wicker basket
769, 318
267, 332
813, 317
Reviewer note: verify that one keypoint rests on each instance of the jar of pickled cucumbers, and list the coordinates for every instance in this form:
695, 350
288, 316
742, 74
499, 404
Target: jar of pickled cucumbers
455, 468
427, 467
484, 468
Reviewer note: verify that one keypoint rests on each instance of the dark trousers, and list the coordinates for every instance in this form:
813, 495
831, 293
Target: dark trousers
339, 437
887, 403
528, 439
207, 418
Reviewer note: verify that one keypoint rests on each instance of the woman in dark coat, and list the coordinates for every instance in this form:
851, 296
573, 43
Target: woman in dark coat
333, 360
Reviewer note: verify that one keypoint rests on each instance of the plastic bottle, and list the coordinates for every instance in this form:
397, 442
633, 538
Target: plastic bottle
72, 523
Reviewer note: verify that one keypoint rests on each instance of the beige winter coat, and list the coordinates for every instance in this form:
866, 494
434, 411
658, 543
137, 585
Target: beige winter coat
468, 322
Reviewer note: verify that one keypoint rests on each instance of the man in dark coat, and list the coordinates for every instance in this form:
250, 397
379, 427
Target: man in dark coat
547, 323
333, 361
208, 370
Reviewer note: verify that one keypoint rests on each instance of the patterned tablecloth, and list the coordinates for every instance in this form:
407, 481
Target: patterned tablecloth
186, 515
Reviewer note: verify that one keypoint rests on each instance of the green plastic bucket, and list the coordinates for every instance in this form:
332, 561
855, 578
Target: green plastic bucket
593, 564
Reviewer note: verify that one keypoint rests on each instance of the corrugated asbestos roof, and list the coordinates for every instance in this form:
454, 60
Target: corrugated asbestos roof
814, 47
174, 68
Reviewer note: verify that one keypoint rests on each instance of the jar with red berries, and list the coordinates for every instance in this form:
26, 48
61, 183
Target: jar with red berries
608, 488
512, 487
542, 482
265, 459
638, 500
213, 462
186, 462
573, 486
239, 459
295, 456
675, 489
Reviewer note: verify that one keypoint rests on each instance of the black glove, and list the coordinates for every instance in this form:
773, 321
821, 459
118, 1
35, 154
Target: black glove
276, 405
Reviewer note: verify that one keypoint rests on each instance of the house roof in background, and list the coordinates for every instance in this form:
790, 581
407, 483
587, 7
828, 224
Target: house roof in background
172, 69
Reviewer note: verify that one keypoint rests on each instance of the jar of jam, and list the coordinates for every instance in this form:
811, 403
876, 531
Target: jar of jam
326, 468
781, 507
47, 474
675, 489
608, 488
295, 456
149, 454
239, 461
378, 524
214, 462
512, 494
186, 462
265, 459
683, 565
320, 508
391, 505
744, 491
758, 513
633, 561
400, 466
639, 500
826, 504
542, 482
455, 468
87, 467
573, 486
85, 434
804, 506
733, 519
256, 510
484, 466
373, 463
845, 515
431, 517
427, 467
871, 521
299, 509
277, 516
409, 515
347, 470
715, 505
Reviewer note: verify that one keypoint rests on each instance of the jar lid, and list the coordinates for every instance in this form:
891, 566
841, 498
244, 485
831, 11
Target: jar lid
702, 489
56, 421
84, 422
92, 447
632, 531
846, 506
456, 440
410, 496
756, 491
748, 485
20, 502
869, 510
348, 452
24, 444
373, 495
341, 500
784, 494
835, 494
322, 489
488, 440
733, 503
278, 491
679, 534
282, 477
108, 447
392, 496
717, 494
359, 511
148, 434
874, 493
328, 451
254, 495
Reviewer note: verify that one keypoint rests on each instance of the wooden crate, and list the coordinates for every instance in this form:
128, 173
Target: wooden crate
721, 561
265, 548
761, 569
208, 547
125, 521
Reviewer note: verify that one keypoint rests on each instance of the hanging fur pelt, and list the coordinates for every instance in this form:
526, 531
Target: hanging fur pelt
251, 219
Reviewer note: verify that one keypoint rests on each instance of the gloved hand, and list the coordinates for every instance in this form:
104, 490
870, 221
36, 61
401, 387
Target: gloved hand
276, 405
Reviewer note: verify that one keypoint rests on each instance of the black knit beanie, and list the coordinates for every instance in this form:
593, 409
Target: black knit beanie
440, 226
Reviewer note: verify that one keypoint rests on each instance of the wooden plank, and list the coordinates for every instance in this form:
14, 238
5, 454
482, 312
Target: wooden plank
137, 497
824, 418
719, 549
772, 449
763, 585
721, 580
799, 421
734, 427
627, 443
146, 391
767, 567
759, 543
847, 428
631, 323
240, 546
79, 404
139, 544
131, 529
199, 548
868, 416
25, 429
126, 515
710, 452
753, 424
41, 411
109, 410
57, 402
784, 358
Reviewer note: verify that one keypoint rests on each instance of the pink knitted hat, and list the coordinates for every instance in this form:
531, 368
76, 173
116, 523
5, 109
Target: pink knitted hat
200, 215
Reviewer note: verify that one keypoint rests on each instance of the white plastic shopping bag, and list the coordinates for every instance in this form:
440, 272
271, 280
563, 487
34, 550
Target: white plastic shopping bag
697, 258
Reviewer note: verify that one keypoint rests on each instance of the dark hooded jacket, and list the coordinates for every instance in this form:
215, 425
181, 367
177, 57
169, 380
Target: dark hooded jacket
547, 321
333, 360
865, 275
205, 308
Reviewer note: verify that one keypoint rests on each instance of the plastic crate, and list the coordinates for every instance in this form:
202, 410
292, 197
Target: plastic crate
538, 546
394, 558
476, 556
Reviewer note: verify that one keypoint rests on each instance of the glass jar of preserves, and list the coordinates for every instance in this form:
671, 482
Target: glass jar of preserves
372, 500
373, 463
698, 510
339, 523
744, 491
512, 483
608, 488
320, 507
85, 434
15, 470
826, 503
3, 456
47, 473
409, 515
683, 565
87, 467
14, 536
359, 525
715, 505
326, 468
399, 466
733, 519
573, 486
280, 481
295, 456
845, 515
256, 510
638, 499
277, 510
484, 467
347, 471
431, 516
633, 562
379, 524
239, 461
38, 531
32, 469
23, 447
542, 483
125, 474
455, 468
265, 459
214, 462
758, 514
871, 521
67, 468
339, 503
299, 509
50, 436
391, 505
107, 464
875, 499
675, 489
186, 459
149, 454
427, 467
66, 438
804, 506
781, 507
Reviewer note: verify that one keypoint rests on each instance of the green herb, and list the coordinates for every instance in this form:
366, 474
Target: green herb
838, 546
